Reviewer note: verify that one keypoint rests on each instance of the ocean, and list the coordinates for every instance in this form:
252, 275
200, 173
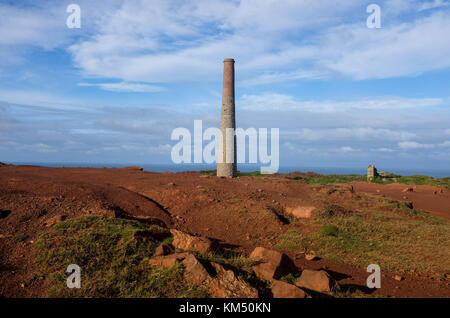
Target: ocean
435, 173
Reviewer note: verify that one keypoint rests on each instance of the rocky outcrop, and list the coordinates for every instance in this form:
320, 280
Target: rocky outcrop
227, 285
271, 264
187, 242
319, 281
282, 289
193, 269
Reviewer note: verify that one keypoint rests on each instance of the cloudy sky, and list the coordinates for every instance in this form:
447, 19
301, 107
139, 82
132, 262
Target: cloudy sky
342, 94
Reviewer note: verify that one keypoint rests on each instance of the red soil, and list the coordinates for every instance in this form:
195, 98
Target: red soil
241, 212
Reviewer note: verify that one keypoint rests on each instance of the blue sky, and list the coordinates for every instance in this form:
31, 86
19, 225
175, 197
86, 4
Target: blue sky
112, 91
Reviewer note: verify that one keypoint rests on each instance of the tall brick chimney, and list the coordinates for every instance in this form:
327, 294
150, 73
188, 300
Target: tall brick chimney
227, 159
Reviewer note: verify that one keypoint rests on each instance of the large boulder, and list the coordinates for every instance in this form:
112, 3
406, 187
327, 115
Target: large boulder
271, 264
319, 281
187, 242
284, 290
227, 285
193, 269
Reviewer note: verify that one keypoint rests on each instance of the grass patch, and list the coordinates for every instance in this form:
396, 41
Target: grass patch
249, 174
410, 180
330, 230
335, 178
402, 239
112, 261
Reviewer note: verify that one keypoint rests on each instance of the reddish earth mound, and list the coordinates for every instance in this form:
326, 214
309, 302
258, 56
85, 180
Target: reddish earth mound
242, 213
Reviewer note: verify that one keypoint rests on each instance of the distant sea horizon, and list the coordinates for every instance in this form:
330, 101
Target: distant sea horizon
156, 167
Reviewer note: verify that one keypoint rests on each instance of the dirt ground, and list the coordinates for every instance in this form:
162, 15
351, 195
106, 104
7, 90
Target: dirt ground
430, 199
240, 213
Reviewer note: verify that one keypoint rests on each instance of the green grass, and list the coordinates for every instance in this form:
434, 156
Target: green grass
112, 262
404, 239
330, 230
410, 180
417, 180
249, 174
335, 178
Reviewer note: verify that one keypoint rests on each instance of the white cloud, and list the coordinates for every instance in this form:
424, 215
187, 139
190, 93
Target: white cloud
281, 102
170, 41
402, 49
434, 4
126, 87
410, 145
175, 41
346, 149
383, 150
361, 133
445, 143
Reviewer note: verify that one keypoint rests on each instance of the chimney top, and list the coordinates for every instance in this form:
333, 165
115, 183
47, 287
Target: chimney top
229, 60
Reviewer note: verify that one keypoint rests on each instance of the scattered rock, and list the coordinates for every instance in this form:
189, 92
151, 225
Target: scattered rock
171, 184
227, 285
272, 264
399, 278
189, 242
408, 190
194, 270
164, 249
319, 281
281, 289
301, 211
